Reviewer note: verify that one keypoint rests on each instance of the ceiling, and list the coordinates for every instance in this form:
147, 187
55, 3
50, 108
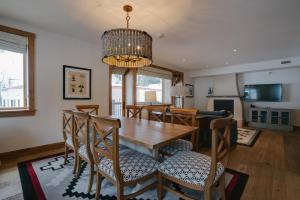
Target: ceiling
188, 34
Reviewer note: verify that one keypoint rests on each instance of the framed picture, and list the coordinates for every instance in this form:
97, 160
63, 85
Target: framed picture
77, 82
190, 89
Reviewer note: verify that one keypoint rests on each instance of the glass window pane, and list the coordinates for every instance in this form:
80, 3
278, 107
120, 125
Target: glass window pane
11, 80
148, 83
116, 85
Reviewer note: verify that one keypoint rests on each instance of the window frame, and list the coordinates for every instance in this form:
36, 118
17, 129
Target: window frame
29, 110
162, 90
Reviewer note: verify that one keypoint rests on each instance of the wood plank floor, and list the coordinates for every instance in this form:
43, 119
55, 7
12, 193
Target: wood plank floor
273, 165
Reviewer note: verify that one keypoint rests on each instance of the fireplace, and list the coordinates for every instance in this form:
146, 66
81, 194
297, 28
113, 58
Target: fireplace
231, 103
224, 104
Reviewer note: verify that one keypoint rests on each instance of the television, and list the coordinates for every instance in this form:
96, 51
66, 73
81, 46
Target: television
263, 92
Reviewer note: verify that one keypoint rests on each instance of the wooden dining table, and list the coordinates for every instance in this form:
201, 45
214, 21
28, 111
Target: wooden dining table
151, 135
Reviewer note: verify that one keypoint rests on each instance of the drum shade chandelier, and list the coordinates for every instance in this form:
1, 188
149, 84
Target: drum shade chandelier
125, 47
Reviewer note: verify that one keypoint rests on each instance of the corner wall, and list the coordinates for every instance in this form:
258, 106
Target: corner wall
52, 52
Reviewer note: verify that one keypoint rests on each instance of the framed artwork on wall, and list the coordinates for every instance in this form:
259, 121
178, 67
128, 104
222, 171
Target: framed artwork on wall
190, 90
77, 83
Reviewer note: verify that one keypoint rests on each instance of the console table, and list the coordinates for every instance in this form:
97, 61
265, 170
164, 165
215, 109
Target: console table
273, 118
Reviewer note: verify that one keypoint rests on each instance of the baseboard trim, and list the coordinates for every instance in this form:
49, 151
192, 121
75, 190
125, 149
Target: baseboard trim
30, 151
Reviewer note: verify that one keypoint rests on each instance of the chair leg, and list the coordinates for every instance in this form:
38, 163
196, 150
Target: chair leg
120, 192
75, 162
79, 159
159, 187
98, 185
66, 154
221, 187
91, 177
207, 193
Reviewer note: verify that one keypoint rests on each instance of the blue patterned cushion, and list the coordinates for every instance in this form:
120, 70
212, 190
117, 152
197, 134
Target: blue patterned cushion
176, 146
133, 165
190, 167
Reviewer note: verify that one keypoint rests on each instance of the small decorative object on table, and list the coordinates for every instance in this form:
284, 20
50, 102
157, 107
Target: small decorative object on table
190, 90
76, 83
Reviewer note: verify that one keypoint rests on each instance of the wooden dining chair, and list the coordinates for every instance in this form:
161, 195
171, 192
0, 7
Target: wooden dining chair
68, 135
122, 168
134, 111
198, 171
157, 113
82, 143
185, 117
91, 109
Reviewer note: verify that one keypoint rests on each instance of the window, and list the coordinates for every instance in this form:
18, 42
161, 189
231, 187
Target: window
16, 72
150, 83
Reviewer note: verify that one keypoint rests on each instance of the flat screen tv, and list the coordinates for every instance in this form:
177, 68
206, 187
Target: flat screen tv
263, 92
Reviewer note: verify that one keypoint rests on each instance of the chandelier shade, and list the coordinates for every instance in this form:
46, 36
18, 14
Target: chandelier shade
125, 47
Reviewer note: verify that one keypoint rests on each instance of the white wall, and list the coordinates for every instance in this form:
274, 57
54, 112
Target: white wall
222, 84
290, 78
52, 52
225, 85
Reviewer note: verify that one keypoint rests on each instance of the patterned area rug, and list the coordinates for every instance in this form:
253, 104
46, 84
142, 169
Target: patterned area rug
247, 137
48, 178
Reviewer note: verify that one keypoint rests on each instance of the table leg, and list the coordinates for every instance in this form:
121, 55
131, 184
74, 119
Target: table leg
155, 154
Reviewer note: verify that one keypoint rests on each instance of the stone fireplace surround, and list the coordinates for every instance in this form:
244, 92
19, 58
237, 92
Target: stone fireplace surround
238, 108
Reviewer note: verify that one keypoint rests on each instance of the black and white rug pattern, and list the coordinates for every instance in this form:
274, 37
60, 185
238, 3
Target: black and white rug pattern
247, 136
58, 183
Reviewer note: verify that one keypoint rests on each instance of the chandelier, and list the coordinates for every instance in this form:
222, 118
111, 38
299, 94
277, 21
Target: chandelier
125, 47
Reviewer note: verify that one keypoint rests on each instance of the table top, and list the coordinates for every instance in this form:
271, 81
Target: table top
151, 134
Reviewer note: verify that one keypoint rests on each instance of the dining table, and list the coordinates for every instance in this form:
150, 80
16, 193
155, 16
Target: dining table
149, 136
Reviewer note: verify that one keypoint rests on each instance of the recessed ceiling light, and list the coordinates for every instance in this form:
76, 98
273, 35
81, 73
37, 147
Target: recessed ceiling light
234, 50
183, 60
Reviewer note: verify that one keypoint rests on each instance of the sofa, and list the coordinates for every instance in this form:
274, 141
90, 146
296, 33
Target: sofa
204, 127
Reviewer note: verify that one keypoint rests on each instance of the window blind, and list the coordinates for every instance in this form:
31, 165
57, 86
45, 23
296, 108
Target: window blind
154, 72
12, 42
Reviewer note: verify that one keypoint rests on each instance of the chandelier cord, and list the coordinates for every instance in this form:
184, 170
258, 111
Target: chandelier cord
127, 19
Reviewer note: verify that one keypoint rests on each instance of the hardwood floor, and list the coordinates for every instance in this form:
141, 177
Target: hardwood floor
273, 165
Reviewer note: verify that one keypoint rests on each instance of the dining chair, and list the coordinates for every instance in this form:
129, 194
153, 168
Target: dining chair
198, 171
120, 167
185, 117
68, 134
91, 109
157, 113
82, 143
134, 111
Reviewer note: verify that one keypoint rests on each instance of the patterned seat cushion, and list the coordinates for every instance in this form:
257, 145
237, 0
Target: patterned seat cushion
133, 165
190, 167
176, 146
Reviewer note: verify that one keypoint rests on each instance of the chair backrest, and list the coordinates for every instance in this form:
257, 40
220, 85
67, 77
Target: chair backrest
157, 113
220, 144
82, 131
104, 130
91, 109
134, 111
68, 124
184, 116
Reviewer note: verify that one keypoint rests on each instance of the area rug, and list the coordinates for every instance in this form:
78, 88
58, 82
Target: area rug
247, 137
49, 178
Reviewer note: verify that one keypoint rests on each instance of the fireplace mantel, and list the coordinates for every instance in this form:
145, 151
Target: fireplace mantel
231, 96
